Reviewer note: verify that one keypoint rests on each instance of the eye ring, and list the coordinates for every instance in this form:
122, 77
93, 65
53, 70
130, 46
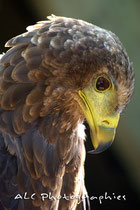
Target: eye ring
102, 83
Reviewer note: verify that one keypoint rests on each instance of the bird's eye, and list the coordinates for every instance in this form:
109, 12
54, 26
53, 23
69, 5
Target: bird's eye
102, 84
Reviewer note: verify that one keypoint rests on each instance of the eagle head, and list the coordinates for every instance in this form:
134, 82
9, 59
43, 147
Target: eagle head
72, 70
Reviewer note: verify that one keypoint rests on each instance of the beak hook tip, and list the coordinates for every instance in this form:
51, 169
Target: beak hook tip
101, 148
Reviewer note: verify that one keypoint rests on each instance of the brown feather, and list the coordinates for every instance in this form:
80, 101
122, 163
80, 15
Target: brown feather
7, 74
20, 73
40, 77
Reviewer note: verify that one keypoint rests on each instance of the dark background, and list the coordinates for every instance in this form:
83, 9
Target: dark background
117, 170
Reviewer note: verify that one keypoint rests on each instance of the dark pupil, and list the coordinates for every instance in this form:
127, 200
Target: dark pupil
102, 83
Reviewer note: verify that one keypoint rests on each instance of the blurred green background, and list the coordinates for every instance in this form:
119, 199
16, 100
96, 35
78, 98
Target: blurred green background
118, 169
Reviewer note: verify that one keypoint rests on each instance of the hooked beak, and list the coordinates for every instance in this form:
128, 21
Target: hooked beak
101, 117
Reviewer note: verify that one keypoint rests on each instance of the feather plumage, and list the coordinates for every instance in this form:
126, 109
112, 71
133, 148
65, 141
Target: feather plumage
40, 112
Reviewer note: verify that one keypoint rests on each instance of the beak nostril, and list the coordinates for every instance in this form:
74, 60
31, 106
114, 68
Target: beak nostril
106, 122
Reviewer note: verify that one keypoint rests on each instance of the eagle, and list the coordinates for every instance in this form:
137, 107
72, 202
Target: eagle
58, 74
